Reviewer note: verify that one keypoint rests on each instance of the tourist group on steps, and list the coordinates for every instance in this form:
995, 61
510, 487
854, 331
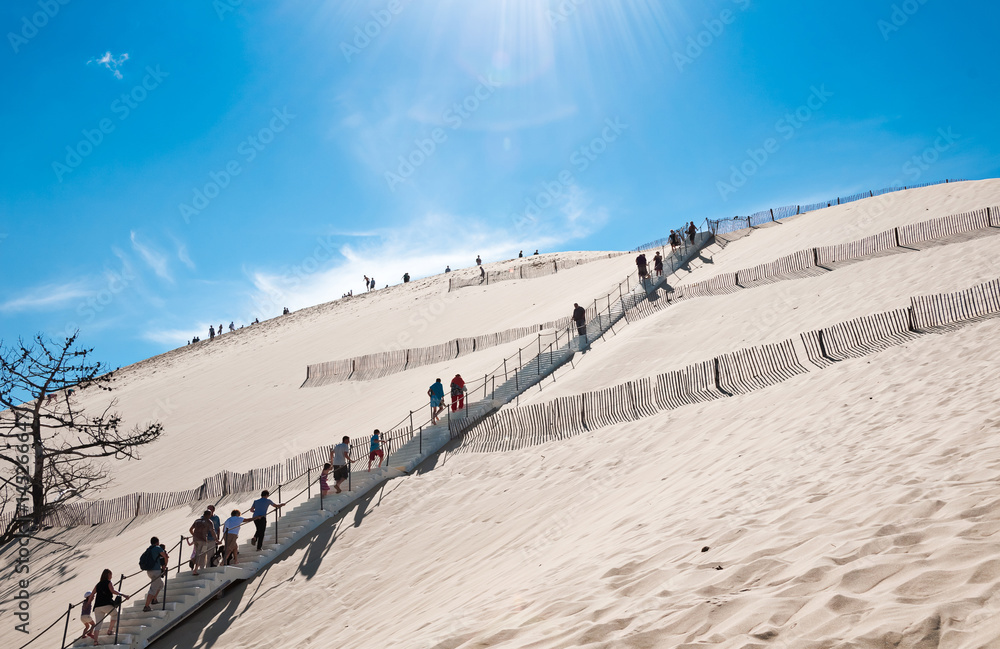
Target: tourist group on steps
215, 542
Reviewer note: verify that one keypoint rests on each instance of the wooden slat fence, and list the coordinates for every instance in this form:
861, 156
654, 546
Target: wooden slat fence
931, 312
376, 366
748, 370
740, 372
381, 364
329, 372
856, 249
693, 384
945, 226
796, 261
858, 337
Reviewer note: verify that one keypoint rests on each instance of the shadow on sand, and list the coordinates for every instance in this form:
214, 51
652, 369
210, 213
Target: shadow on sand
203, 629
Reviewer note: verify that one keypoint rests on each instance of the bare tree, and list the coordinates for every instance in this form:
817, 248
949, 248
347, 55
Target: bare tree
51, 448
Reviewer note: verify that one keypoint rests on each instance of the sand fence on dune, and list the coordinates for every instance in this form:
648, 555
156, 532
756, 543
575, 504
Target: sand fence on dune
736, 373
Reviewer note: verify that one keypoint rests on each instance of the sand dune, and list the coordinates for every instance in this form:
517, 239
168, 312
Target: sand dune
857, 506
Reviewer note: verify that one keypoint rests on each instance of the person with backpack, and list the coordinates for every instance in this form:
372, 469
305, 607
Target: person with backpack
153, 560
675, 241
458, 391
205, 540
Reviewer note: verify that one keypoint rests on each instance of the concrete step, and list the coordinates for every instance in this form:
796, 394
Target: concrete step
105, 640
181, 597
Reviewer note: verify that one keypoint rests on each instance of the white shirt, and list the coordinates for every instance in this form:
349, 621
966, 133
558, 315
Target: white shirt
340, 453
232, 525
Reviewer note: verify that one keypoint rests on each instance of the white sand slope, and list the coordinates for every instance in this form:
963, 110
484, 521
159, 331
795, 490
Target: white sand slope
855, 506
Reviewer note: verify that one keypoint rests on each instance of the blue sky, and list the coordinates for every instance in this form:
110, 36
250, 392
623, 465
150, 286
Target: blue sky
173, 165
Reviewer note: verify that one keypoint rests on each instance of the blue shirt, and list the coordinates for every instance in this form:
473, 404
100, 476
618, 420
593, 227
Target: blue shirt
259, 506
437, 389
375, 441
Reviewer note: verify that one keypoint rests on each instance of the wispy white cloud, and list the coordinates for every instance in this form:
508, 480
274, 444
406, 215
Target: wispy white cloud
174, 337
49, 296
111, 62
184, 257
154, 258
423, 248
